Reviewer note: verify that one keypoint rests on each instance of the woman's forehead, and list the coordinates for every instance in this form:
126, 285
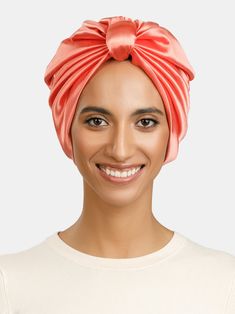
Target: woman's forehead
123, 82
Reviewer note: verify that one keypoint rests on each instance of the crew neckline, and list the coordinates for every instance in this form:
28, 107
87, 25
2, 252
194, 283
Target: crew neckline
176, 242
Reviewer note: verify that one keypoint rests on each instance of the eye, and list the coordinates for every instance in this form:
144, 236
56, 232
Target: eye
95, 119
97, 124
155, 122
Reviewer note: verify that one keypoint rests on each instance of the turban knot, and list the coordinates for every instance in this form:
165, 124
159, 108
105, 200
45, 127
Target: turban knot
152, 48
120, 39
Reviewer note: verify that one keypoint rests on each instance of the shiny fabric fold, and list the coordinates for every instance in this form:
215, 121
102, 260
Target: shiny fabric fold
152, 48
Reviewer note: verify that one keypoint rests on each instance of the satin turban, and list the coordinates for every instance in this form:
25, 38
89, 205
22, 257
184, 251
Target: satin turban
151, 46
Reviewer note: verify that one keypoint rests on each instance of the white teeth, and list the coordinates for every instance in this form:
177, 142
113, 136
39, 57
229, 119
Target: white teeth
118, 174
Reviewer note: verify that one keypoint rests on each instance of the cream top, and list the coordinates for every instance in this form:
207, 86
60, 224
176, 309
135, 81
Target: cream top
183, 277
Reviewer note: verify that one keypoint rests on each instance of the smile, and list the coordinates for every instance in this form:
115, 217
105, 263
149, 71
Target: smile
119, 176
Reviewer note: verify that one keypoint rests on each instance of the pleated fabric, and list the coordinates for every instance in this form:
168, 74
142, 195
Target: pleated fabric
152, 48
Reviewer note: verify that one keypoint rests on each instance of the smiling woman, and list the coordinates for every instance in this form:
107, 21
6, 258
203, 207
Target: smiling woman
126, 99
119, 119
131, 130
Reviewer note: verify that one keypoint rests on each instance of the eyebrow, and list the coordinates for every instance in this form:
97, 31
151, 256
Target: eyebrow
136, 112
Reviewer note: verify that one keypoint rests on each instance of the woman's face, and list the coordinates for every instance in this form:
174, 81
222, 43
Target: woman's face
121, 137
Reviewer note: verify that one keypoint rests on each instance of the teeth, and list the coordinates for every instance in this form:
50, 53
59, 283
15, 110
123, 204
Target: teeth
118, 174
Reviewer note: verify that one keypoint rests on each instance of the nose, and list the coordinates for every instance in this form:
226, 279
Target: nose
121, 143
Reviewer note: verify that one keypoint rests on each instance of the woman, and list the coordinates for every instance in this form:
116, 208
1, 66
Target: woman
119, 99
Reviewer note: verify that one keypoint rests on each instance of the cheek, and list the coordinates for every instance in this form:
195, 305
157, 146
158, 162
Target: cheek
83, 149
85, 144
156, 143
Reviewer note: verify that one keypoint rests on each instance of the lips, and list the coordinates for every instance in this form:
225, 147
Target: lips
120, 180
120, 168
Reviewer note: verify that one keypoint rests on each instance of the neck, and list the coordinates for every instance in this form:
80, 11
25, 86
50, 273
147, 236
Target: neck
119, 230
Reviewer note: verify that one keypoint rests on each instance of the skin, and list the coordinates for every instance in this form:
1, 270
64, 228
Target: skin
117, 220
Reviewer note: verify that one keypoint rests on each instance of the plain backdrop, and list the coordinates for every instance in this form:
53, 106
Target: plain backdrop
41, 189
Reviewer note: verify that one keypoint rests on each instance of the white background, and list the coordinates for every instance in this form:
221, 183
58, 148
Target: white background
41, 189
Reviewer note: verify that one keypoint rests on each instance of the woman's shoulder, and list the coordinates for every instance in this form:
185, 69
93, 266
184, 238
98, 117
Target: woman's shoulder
211, 259
25, 258
213, 268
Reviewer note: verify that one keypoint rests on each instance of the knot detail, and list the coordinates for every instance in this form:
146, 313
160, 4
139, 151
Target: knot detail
120, 39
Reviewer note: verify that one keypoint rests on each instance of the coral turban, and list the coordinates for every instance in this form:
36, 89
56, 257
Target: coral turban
152, 47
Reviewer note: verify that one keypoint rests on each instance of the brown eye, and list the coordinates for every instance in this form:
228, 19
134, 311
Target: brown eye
95, 119
96, 122
155, 122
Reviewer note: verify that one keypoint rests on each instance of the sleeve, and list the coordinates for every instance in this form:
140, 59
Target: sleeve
3, 297
230, 308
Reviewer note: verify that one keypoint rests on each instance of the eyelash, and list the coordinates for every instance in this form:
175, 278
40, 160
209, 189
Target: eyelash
97, 126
